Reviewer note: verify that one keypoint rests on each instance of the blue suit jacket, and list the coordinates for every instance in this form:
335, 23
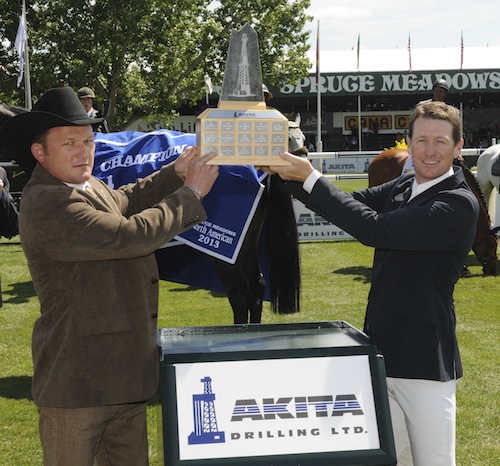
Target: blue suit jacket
420, 249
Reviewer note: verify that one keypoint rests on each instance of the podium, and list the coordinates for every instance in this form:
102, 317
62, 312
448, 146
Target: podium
301, 394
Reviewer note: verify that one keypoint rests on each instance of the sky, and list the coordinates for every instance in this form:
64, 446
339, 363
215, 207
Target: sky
386, 24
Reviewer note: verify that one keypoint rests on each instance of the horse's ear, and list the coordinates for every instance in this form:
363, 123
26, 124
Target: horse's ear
301, 152
298, 119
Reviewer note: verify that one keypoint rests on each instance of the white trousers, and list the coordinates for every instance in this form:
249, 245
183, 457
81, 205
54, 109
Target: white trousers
423, 414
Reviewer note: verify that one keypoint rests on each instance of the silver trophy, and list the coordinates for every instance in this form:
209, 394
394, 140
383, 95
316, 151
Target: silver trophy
242, 130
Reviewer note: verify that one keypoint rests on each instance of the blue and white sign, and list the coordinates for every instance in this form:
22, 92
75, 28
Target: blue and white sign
275, 407
313, 227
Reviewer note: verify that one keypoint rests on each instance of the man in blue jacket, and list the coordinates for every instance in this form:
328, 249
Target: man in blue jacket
422, 226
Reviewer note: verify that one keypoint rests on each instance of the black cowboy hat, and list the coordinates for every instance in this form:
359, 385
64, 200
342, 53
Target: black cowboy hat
57, 107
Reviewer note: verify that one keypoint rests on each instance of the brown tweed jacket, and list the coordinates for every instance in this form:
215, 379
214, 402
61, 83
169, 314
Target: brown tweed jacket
91, 258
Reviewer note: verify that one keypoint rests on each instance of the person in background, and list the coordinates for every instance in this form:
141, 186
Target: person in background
267, 93
8, 209
440, 90
87, 98
8, 214
90, 251
412, 222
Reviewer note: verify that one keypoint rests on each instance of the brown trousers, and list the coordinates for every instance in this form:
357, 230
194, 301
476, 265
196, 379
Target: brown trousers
101, 436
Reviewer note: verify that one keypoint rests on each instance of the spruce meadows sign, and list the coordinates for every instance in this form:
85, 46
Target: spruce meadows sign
393, 83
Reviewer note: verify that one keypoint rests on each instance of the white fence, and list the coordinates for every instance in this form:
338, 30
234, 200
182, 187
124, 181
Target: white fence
346, 164
337, 166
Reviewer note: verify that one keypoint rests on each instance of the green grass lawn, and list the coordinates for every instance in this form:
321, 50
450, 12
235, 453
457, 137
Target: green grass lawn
336, 279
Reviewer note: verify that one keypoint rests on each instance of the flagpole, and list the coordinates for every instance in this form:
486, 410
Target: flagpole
461, 49
409, 53
27, 76
461, 66
319, 142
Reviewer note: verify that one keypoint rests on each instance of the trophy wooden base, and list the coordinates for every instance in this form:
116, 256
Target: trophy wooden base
257, 161
243, 133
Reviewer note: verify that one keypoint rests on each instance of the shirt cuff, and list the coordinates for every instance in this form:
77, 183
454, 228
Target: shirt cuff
311, 181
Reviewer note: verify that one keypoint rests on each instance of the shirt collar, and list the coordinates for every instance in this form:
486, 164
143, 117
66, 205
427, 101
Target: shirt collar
420, 188
81, 186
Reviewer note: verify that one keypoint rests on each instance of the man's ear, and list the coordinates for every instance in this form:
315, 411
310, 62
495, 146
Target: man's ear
37, 151
408, 144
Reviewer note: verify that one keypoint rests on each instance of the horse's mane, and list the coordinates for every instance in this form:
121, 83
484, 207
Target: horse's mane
9, 111
473, 185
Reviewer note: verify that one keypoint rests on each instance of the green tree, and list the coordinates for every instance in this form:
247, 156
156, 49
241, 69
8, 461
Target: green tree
148, 57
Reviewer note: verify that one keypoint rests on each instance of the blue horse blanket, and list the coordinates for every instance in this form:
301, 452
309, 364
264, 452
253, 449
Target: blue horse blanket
122, 157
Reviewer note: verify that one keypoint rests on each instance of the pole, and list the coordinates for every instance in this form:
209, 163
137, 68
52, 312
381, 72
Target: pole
27, 78
359, 95
462, 114
359, 122
319, 142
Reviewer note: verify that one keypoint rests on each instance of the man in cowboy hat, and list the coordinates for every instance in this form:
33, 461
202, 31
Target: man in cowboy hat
90, 251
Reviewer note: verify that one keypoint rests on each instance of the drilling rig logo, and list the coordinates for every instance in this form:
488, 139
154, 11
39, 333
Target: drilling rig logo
204, 418
243, 86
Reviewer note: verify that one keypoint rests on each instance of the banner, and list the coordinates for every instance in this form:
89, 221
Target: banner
121, 158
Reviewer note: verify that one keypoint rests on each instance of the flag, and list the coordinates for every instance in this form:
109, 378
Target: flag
409, 52
317, 58
20, 44
357, 53
461, 49
208, 84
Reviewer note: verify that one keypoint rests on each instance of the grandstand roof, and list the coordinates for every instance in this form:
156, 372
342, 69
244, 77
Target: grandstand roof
424, 59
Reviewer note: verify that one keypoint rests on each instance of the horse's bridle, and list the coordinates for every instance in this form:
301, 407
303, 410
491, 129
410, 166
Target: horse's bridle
485, 260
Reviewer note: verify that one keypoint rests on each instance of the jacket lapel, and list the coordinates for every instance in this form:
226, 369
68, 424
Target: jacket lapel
401, 193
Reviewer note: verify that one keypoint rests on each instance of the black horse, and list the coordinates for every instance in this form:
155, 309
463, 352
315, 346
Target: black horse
244, 281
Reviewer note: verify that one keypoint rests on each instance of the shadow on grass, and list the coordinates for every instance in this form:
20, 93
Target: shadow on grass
359, 273
16, 387
10, 243
18, 293
213, 293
